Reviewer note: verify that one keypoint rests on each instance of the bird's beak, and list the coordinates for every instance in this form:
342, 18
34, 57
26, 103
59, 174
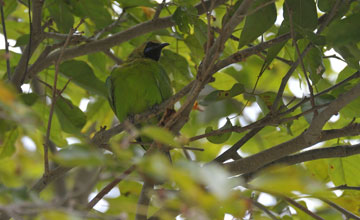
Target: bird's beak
164, 45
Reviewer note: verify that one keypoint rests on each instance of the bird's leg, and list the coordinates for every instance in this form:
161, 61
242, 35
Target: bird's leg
166, 116
154, 108
131, 118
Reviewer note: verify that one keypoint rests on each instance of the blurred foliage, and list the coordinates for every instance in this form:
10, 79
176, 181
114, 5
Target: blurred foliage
189, 188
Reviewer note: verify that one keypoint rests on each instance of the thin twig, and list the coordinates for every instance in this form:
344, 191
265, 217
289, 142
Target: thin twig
292, 31
306, 50
349, 215
334, 56
232, 37
267, 120
208, 18
206, 70
108, 42
228, 153
53, 101
329, 17
289, 200
172, 147
98, 34
59, 92
345, 187
264, 209
159, 9
302, 208
7, 53
112, 56
109, 187
353, 76
29, 45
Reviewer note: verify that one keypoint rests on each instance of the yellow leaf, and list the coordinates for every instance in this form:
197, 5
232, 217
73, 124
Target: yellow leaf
6, 95
149, 12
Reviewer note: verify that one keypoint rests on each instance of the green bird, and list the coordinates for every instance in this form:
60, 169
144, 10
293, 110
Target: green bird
140, 83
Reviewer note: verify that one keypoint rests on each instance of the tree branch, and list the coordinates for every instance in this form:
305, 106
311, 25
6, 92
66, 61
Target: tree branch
113, 40
36, 37
102, 137
144, 201
309, 137
53, 175
243, 54
37, 16
310, 155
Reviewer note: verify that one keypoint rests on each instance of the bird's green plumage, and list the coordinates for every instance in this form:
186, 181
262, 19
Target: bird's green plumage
137, 85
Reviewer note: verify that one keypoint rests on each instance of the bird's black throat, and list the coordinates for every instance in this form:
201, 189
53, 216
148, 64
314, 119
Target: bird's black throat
153, 50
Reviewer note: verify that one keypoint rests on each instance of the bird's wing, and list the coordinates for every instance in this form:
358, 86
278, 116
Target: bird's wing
163, 83
137, 86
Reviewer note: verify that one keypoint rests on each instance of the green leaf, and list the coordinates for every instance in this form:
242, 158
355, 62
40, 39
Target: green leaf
56, 134
160, 134
230, 12
287, 179
318, 169
345, 73
9, 7
221, 138
313, 62
314, 38
345, 31
219, 95
29, 98
325, 5
71, 118
81, 74
135, 3
257, 23
265, 101
197, 50
274, 50
184, 16
16, 193
79, 155
98, 60
303, 13
350, 53
237, 89
22, 40
319, 100
99, 15
61, 14
345, 171
185, 2
96, 10
200, 31
351, 110
216, 95
177, 65
7, 148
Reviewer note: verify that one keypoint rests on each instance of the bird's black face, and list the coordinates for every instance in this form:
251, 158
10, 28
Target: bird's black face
153, 50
